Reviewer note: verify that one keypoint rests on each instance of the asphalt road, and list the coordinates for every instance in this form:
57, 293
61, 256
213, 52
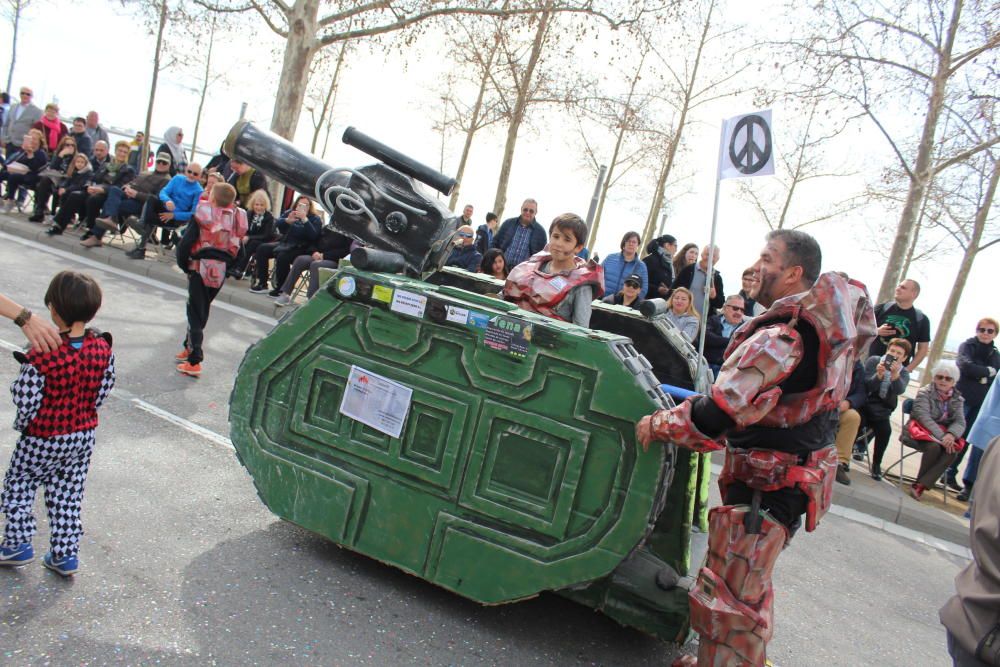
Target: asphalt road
182, 565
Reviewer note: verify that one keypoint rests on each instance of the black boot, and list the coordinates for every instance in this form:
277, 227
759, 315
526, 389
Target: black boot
38, 215
966, 493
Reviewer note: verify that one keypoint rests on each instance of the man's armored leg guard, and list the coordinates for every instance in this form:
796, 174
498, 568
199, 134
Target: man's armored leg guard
732, 600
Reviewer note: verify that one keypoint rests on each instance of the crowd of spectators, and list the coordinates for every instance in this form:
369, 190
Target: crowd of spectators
76, 178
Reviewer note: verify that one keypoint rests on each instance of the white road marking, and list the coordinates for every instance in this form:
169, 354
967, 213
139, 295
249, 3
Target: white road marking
121, 273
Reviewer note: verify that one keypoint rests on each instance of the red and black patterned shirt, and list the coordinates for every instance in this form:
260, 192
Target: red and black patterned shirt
58, 392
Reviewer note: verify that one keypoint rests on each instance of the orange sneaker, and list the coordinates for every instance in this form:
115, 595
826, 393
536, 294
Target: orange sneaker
194, 370
182, 355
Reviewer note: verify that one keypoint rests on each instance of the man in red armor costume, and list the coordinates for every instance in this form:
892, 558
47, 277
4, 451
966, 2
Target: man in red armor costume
775, 401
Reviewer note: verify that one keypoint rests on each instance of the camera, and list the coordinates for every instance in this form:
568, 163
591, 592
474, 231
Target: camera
888, 360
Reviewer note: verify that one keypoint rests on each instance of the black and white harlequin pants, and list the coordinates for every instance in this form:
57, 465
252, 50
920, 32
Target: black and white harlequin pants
59, 463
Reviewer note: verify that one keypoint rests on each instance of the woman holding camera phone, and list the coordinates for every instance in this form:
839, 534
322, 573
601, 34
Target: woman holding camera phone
885, 380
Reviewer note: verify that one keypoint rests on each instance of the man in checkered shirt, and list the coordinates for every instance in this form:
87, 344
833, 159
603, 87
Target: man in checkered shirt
57, 394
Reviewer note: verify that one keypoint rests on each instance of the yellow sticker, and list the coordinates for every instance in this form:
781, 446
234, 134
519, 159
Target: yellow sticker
382, 293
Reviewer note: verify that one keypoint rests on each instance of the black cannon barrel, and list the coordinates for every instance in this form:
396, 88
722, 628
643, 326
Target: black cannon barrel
275, 155
377, 204
398, 161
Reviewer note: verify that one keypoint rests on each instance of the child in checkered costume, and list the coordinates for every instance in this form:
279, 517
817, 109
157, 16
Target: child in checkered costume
57, 395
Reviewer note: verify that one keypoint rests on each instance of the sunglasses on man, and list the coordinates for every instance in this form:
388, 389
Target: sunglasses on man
985, 330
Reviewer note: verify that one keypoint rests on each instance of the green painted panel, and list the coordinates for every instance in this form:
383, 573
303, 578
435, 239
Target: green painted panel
512, 474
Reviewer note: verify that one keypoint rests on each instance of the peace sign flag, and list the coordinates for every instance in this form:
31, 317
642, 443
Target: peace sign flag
747, 146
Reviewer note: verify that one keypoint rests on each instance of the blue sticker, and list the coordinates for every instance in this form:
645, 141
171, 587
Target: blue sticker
346, 286
481, 320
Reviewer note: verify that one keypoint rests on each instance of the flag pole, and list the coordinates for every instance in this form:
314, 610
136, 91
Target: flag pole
709, 278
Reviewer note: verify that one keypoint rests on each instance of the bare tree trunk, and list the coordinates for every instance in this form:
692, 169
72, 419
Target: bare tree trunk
204, 87
971, 250
300, 49
18, 6
921, 172
517, 113
675, 140
477, 110
144, 154
331, 95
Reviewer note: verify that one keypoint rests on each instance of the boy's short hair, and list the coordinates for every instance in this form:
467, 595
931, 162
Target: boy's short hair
901, 342
491, 216
223, 194
572, 223
76, 297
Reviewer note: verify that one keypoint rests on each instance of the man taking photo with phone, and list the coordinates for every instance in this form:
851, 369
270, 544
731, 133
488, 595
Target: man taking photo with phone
899, 319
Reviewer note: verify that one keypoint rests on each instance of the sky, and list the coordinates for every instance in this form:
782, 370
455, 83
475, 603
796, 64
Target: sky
392, 94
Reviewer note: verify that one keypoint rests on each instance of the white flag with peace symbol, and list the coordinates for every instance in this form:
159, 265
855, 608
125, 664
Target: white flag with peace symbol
747, 146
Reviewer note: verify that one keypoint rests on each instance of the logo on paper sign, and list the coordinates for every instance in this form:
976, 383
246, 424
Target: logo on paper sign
346, 286
363, 379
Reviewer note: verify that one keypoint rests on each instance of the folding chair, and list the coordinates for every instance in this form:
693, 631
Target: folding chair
903, 454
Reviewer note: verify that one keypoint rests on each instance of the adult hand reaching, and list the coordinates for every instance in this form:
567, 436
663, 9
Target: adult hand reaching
42, 335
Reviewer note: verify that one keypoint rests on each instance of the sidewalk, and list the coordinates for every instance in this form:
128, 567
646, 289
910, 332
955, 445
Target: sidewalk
882, 500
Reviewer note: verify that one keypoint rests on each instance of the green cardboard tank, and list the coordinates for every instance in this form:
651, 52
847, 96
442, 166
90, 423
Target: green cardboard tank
425, 423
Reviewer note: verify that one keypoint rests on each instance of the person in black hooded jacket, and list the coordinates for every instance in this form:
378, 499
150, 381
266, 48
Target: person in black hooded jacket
660, 266
978, 362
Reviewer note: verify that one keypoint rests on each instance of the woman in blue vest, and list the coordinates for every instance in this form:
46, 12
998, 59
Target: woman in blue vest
620, 265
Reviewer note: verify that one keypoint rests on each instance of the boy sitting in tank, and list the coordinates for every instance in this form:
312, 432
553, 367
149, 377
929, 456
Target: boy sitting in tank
555, 282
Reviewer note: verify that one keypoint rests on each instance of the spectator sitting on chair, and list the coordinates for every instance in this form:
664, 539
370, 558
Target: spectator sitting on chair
22, 168
978, 362
83, 143
100, 156
260, 230
332, 247
52, 129
208, 181
521, 237
301, 228
494, 265
682, 313
51, 176
659, 261
72, 193
116, 172
719, 330
619, 265
128, 200
464, 255
172, 208
246, 180
849, 422
939, 408
884, 384
630, 295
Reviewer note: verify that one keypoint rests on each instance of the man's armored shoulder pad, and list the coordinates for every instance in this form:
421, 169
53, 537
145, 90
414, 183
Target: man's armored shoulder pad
761, 362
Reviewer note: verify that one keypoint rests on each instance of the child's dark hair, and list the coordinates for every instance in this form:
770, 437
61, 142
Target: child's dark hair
76, 297
572, 223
